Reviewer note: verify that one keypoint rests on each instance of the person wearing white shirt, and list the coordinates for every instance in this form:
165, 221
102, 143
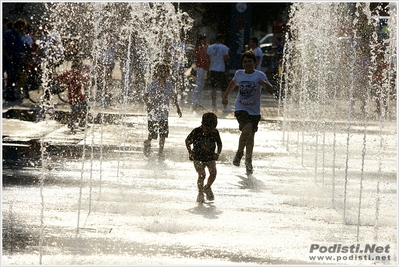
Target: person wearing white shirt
247, 105
254, 45
218, 55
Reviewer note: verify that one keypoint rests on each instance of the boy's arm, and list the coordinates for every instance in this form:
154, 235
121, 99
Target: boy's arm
147, 102
188, 146
219, 147
257, 61
226, 58
230, 88
219, 144
267, 85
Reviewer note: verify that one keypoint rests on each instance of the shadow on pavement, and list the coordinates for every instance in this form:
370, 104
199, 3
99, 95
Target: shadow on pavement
251, 183
208, 210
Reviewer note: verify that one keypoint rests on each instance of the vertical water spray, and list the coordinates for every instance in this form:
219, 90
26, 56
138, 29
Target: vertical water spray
331, 67
351, 99
374, 47
334, 154
46, 114
126, 55
148, 30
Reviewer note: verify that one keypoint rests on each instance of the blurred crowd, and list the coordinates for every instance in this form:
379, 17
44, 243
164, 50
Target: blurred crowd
25, 52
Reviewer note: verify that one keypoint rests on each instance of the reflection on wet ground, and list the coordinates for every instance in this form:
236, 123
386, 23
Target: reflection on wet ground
137, 210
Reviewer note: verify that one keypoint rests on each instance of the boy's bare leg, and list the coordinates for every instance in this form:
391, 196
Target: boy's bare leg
213, 96
212, 176
212, 173
147, 145
249, 147
200, 169
161, 144
245, 136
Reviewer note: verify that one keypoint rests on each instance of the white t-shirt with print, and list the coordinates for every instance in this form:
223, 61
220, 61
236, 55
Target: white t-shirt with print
249, 91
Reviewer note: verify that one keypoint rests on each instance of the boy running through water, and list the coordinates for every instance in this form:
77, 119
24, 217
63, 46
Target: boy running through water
247, 105
204, 139
157, 97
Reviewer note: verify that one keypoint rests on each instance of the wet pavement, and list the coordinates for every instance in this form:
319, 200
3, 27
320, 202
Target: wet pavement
99, 201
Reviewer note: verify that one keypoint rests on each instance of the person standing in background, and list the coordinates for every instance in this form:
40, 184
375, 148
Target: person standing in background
254, 45
13, 56
105, 58
218, 55
201, 65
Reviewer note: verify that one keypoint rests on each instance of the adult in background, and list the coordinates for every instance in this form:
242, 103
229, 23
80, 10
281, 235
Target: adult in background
105, 59
51, 49
29, 67
201, 65
218, 55
13, 56
254, 45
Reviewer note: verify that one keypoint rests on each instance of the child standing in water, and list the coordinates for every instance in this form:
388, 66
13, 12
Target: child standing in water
205, 139
157, 97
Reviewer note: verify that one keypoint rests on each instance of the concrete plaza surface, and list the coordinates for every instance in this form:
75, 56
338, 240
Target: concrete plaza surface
99, 201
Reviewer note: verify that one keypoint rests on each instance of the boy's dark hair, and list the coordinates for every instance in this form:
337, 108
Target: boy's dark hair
200, 38
210, 119
19, 24
255, 40
248, 54
219, 37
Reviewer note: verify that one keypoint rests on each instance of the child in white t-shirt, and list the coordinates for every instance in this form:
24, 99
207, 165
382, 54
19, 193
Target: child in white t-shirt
247, 106
157, 98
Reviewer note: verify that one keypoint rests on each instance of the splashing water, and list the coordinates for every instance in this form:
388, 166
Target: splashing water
333, 52
324, 42
141, 34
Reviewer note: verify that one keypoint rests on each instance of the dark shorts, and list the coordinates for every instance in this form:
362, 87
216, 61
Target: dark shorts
244, 118
218, 79
158, 127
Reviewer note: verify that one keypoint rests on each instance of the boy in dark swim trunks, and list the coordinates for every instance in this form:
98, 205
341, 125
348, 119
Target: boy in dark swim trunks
204, 140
